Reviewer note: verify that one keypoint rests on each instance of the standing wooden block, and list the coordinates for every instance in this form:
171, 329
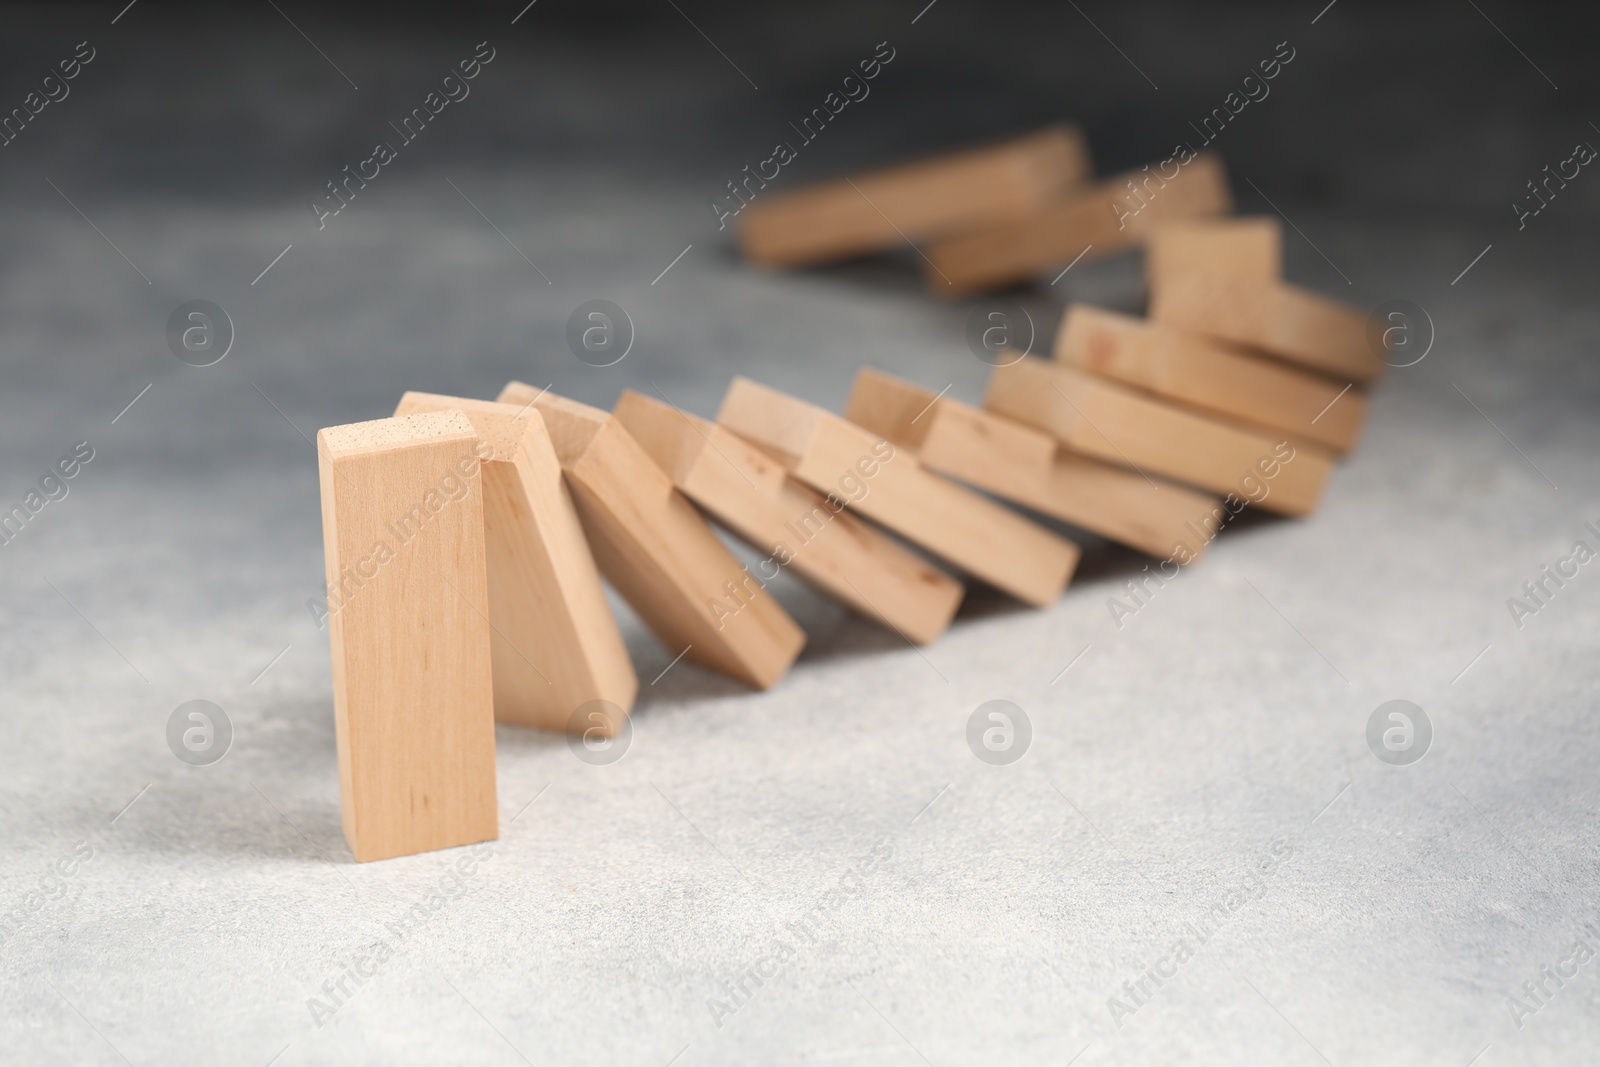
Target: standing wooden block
885, 208
1273, 317
657, 550
1252, 246
555, 645
1108, 217
413, 692
1029, 467
1113, 423
752, 495
892, 488
1199, 373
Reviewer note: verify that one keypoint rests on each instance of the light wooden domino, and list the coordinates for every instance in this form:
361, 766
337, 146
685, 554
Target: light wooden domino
890, 487
658, 551
1029, 467
555, 645
752, 494
1274, 317
413, 690
933, 197
1096, 417
1104, 218
1249, 246
1200, 373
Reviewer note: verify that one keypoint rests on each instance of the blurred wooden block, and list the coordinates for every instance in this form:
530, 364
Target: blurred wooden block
1273, 317
866, 472
1108, 421
753, 496
885, 208
555, 645
1251, 246
413, 690
1105, 218
1031, 468
1194, 371
658, 551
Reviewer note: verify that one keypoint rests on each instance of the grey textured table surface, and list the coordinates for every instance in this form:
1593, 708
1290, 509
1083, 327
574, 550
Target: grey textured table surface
959, 912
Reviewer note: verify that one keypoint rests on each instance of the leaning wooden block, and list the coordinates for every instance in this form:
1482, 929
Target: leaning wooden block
752, 495
1273, 317
657, 550
1252, 246
885, 208
1200, 373
1096, 417
555, 645
890, 487
1029, 467
413, 690
1108, 217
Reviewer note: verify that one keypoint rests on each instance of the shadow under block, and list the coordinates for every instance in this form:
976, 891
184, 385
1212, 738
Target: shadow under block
1248, 246
1108, 217
413, 692
1099, 418
893, 489
1273, 317
555, 645
659, 552
1194, 371
933, 197
753, 496
1029, 467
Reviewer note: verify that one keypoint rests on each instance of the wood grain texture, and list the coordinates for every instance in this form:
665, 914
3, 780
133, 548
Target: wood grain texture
413, 689
1029, 467
1249, 246
1107, 217
890, 487
751, 494
1192, 370
1274, 317
1111, 422
658, 551
932, 197
556, 646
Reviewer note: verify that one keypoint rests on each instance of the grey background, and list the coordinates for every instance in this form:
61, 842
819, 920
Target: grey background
995, 908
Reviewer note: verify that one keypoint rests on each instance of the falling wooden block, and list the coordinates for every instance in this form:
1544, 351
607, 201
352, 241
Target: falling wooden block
754, 496
1252, 246
886, 208
1273, 317
1196, 372
1029, 467
890, 487
555, 645
658, 551
1108, 217
1098, 418
413, 689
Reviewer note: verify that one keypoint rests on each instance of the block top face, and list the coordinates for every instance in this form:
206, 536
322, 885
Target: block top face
774, 420
898, 410
573, 426
401, 431
674, 438
504, 428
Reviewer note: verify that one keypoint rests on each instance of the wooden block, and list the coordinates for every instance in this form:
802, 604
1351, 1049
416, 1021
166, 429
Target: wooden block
1031, 468
657, 550
1273, 317
1204, 374
892, 488
1108, 217
1252, 246
413, 691
751, 494
885, 208
555, 645
1096, 417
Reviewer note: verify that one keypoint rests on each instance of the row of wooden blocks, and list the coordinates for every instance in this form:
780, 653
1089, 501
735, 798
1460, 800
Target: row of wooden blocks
466, 539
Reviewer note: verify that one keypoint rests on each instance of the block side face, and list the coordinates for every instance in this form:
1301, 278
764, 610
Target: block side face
890, 407
673, 439
779, 424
